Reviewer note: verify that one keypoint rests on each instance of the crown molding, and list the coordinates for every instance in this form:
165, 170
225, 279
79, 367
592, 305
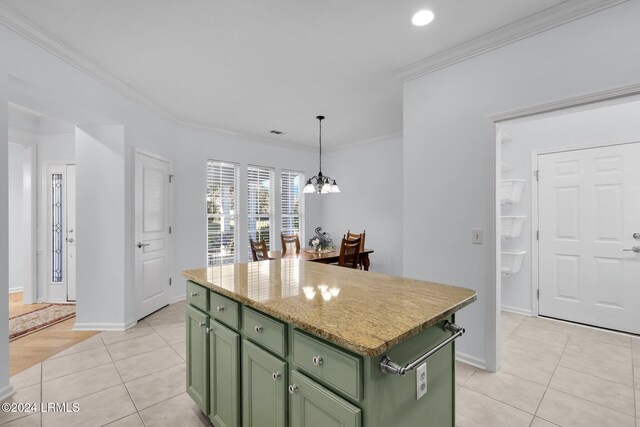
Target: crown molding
556, 16
63, 51
365, 141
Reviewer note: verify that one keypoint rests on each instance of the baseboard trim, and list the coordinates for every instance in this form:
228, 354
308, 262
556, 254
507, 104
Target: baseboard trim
471, 360
103, 326
6, 392
14, 290
516, 310
178, 298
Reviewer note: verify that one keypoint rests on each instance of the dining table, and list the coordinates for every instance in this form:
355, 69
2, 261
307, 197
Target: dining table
324, 257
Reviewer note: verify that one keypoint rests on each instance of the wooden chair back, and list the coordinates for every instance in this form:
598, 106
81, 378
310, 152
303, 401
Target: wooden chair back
259, 250
351, 236
349, 253
290, 243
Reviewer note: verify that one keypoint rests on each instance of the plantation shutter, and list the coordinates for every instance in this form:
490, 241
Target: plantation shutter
260, 204
222, 212
292, 205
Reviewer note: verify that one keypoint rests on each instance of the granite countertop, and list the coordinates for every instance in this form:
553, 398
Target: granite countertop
365, 312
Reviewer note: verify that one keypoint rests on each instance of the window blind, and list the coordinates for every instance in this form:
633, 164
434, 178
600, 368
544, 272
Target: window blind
260, 204
222, 212
292, 205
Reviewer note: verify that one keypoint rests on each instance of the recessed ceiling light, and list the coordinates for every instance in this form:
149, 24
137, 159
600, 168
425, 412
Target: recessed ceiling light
422, 18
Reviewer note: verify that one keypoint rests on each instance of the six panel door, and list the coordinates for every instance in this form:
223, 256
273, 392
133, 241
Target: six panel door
589, 211
224, 373
264, 385
197, 358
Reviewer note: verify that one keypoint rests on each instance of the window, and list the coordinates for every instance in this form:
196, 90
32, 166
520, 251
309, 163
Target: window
56, 228
260, 205
292, 205
222, 212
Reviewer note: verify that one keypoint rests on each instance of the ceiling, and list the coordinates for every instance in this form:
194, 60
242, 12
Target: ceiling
254, 66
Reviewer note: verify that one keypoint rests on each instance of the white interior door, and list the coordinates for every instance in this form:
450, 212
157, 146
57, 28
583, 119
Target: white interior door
152, 234
71, 232
589, 211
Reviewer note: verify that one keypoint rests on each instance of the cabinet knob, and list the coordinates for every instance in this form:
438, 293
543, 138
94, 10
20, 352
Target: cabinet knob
194, 294
201, 324
259, 329
317, 360
276, 376
220, 308
293, 388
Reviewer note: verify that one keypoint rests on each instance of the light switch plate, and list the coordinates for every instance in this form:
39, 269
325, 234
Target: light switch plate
421, 380
477, 236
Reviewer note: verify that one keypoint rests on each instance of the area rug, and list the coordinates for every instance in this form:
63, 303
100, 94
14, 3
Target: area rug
27, 323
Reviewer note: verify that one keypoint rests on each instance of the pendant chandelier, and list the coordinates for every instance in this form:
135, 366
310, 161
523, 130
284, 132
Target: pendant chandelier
321, 184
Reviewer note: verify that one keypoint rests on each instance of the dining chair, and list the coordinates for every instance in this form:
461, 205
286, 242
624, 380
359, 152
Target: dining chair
259, 250
349, 253
351, 236
290, 242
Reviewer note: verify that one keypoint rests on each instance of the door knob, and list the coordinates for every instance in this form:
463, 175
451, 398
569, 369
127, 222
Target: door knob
636, 236
635, 249
142, 245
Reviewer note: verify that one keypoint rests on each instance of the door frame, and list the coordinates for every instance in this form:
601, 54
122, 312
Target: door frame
493, 275
535, 205
137, 212
43, 238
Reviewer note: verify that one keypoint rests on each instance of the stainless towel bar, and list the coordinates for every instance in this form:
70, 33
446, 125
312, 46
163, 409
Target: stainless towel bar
388, 366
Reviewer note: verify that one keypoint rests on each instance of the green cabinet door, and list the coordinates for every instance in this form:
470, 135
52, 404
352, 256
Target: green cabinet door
314, 406
197, 358
224, 372
264, 388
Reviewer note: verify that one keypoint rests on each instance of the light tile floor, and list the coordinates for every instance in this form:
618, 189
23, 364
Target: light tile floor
553, 374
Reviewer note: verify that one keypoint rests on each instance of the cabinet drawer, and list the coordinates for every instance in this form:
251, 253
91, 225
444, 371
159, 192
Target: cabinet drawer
334, 367
197, 296
224, 309
264, 330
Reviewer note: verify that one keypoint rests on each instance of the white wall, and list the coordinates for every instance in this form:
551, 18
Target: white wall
100, 225
16, 248
447, 140
5, 388
193, 149
369, 176
602, 125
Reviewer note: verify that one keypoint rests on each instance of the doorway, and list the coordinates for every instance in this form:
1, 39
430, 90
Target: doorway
59, 210
153, 230
589, 236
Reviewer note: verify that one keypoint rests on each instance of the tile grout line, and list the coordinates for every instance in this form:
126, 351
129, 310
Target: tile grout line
635, 386
496, 400
578, 397
535, 414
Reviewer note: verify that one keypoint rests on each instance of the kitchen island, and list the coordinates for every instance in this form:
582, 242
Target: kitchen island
291, 343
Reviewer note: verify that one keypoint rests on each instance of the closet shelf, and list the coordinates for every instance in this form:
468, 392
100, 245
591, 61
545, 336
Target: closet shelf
505, 167
511, 262
511, 191
511, 226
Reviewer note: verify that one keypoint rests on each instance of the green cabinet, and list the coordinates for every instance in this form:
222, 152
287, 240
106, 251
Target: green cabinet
264, 388
245, 368
224, 375
197, 358
315, 406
